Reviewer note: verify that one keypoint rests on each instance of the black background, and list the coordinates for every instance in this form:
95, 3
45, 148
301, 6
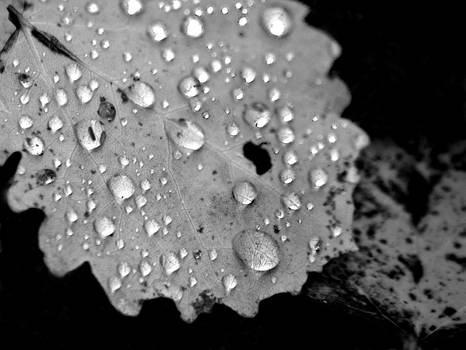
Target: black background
405, 67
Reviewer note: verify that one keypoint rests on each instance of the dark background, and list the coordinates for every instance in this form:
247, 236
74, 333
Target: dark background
405, 67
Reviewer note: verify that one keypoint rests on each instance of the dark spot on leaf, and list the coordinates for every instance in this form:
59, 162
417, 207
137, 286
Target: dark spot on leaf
45, 177
91, 133
414, 265
204, 302
124, 97
461, 261
259, 156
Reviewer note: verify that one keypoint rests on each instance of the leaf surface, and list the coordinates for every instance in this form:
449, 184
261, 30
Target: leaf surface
185, 150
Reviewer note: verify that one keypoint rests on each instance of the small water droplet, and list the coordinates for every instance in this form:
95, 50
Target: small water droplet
277, 21
318, 178
287, 176
73, 72
45, 177
151, 227
285, 135
84, 94
170, 263
248, 74
104, 227
123, 269
186, 134
258, 250
122, 187
229, 283
291, 201
25, 122
285, 113
132, 7
192, 26
141, 94
257, 114
315, 244
201, 74
34, 145
157, 31
55, 124
244, 192
61, 97
189, 87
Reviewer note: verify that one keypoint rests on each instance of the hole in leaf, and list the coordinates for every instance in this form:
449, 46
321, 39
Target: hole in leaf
259, 156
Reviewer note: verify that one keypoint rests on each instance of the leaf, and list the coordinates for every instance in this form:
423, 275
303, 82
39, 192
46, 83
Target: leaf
188, 151
412, 274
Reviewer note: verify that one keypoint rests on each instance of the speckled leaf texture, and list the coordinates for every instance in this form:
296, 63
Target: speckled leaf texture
137, 121
408, 270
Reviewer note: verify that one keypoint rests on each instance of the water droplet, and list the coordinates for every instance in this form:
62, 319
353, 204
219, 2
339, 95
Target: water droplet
123, 269
285, 113
61, 97
248, 74
201, 74
287, 176
131, 7
192, 26
73, 72
90, 133
170, 263
84, 94
25, 122
290, 158
34, 145
141, 94
145, 268
277, 21
152, 227
186, 134
55, 124
114, 284
257, 115
285, 135
157, 31
232, 129
104, 227
92, 8
122, 187
189, 87
244, 192
25, 80
106, 110
315, 244
229, 283
291, 201
258, 250
318, 178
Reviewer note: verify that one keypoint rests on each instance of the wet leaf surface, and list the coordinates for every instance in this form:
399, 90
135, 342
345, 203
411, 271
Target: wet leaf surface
133, 121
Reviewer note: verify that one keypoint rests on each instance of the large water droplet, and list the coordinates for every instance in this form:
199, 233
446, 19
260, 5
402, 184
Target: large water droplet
192, 26
257, 114
132, 7
104, 227
90, 133
122, 187
277, 21
34, 145
141, 94
186, 134
157, 31
257, 250
244, 192
170, 263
